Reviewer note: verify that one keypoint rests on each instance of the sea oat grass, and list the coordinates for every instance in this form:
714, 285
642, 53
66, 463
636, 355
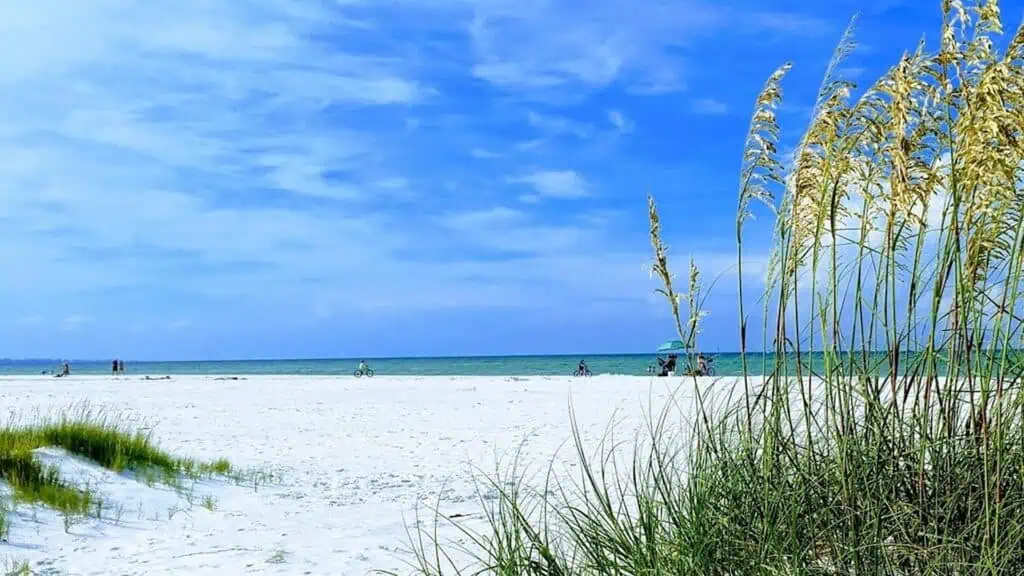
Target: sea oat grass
898, 259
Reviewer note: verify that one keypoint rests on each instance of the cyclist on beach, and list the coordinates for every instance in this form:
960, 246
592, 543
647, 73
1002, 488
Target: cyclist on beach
363, 367
703, 365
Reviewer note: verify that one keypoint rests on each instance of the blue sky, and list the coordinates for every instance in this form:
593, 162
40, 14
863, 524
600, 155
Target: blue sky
272, 178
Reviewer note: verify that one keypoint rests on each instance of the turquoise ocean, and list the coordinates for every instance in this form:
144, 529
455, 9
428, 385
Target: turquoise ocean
455, 366
725, 364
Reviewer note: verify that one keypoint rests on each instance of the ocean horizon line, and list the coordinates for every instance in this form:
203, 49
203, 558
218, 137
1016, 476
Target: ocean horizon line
8, 361
638, 364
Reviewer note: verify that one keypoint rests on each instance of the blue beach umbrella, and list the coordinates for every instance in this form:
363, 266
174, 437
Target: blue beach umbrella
672, 346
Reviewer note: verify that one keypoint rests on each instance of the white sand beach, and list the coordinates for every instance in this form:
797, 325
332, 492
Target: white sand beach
355, 458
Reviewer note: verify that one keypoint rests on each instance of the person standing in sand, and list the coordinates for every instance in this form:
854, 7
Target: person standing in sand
670, 365
114, 366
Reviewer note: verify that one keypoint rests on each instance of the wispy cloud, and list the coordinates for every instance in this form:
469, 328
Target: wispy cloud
74, 322
553, 184
546, 50
785, 23
511, 230
710, 107
483, 154
545, 46
619, 120
556, 125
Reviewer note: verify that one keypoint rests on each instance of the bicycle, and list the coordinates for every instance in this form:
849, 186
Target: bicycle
359, 373
584, 372
709, 365
710, 372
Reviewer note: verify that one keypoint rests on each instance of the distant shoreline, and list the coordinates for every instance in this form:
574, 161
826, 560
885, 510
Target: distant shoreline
725, 364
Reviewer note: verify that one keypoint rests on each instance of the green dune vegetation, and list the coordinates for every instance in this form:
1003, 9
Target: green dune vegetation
105, 440
899, 226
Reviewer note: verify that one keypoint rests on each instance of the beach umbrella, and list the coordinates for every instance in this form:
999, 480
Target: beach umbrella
672, 346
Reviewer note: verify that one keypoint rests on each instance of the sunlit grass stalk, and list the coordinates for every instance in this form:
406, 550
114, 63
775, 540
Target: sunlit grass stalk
761, 169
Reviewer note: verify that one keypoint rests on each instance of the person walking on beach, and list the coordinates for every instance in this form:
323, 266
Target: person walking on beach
114, 367
120, 367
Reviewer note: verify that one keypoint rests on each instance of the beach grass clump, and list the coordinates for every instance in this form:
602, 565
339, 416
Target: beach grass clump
886, 433
11, 567
31, 481
107, 441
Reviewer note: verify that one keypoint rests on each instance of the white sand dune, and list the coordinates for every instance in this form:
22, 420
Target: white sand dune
355, 458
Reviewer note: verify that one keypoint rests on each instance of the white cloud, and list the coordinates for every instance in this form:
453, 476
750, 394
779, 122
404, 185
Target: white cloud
546, 46
483, 154
545, 49
621, 123
482, 220
556, 125
710, 107
180, 324
554, 184
506, 229
74, 322
786, 24
532, 144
